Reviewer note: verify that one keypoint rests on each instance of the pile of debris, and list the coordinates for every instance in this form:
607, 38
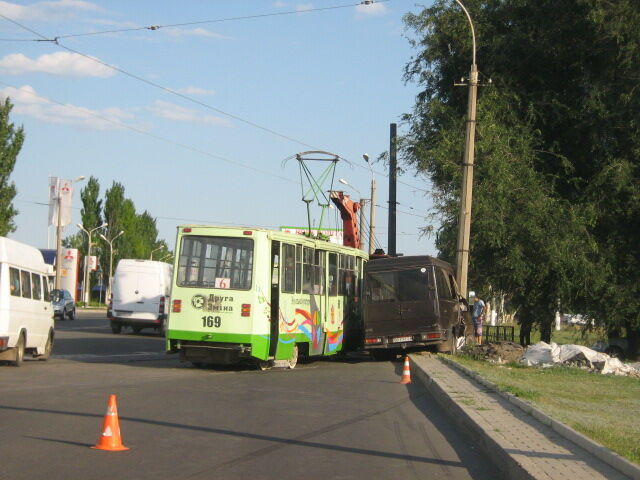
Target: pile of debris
546, 355
499, 352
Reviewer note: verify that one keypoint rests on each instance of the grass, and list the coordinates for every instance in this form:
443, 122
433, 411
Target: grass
602, 407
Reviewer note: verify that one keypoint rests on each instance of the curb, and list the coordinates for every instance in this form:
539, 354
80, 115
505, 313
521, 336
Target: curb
509, 467
600, 451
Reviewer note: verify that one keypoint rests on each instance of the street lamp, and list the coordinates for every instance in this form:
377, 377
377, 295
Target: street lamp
372, 206
362, 203
59, 234
464, 221
154, 251
86, 262
110, 242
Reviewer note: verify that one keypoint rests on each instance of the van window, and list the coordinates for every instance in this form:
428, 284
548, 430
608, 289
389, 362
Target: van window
14, 281
45, 285
215, 262
36, 286
444, 289
398, 286
25, 280
454, 286
289, 271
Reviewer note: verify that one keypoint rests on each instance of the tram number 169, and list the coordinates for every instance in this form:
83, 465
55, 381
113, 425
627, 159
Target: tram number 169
211, 321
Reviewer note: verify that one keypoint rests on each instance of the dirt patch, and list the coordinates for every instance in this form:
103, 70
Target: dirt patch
499, 352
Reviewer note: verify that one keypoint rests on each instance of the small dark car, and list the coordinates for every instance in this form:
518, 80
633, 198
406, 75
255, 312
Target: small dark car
63, 305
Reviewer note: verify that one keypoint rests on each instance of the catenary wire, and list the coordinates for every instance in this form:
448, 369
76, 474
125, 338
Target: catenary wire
218, 20
190, 99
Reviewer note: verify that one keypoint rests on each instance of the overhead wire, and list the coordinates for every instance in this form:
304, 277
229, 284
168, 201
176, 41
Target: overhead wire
153, 135
187, 97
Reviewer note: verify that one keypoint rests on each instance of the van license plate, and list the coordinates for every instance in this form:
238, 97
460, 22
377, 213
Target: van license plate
402, 339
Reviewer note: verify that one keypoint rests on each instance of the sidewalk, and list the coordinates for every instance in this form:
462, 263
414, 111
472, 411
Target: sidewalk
521, 446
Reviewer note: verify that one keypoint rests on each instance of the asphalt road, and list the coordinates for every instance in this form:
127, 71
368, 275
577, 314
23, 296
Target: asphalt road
347, 419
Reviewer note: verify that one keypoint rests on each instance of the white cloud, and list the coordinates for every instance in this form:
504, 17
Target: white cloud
372, 9
27, 102
279, 4
192, 32
59, 63
195, 91
51, 10
171, 111
302, 7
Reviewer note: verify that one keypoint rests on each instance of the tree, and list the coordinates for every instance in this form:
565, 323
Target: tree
555, 204
11, 140
91, 212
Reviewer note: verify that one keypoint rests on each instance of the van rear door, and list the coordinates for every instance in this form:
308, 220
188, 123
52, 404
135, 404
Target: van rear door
137, 294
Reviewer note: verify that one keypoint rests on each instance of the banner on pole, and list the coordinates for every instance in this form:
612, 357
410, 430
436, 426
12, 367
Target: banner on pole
60, 196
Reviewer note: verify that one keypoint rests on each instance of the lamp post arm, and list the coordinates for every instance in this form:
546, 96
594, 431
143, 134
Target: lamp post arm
473, 31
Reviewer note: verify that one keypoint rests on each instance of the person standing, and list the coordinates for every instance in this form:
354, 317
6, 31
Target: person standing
477, 314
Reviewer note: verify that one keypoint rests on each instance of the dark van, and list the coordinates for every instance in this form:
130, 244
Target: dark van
411, 303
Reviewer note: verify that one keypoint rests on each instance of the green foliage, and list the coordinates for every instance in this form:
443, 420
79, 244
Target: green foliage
140, 235
556, 210
11, 140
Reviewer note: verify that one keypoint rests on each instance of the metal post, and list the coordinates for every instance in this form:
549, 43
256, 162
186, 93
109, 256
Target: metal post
363, 201
59, 242
86, 273
393, 164
464, 221
372, 216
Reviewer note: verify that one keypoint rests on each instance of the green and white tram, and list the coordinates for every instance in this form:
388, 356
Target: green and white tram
251, 294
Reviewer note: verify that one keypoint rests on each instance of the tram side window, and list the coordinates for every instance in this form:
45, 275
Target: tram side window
318, 272
347, 276
216, 262
289, 271
333, 274
14, 281
307, 270
25, 280
36, 287
298, 268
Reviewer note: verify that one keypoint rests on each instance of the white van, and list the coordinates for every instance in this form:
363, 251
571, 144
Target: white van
140, 295
26, 314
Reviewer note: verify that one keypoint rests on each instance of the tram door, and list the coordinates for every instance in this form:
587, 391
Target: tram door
275, 297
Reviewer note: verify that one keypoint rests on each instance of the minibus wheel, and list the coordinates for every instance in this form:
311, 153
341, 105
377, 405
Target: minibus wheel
48, 348
116, 327
19, 352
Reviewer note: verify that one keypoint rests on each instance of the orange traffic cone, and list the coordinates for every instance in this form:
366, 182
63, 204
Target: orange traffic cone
406, 372
110, 438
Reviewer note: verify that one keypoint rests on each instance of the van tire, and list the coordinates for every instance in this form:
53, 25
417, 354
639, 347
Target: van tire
19, 352
136, 329
450, 345
116, 327
71, 315
48, 348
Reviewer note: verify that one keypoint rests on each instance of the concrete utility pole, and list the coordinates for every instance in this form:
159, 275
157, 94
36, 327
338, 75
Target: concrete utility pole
464, 221
393, 173
372, 207
363, 202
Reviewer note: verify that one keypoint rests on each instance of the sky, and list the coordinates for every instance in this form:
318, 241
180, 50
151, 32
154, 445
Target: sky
196, 119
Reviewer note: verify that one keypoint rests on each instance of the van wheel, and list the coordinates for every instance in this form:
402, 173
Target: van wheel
293, 361
116, 327
450, 345
71, 315
19, 352
136, 329
48, 348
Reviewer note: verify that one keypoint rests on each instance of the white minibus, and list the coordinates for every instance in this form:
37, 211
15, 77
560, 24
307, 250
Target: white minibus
26, 314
